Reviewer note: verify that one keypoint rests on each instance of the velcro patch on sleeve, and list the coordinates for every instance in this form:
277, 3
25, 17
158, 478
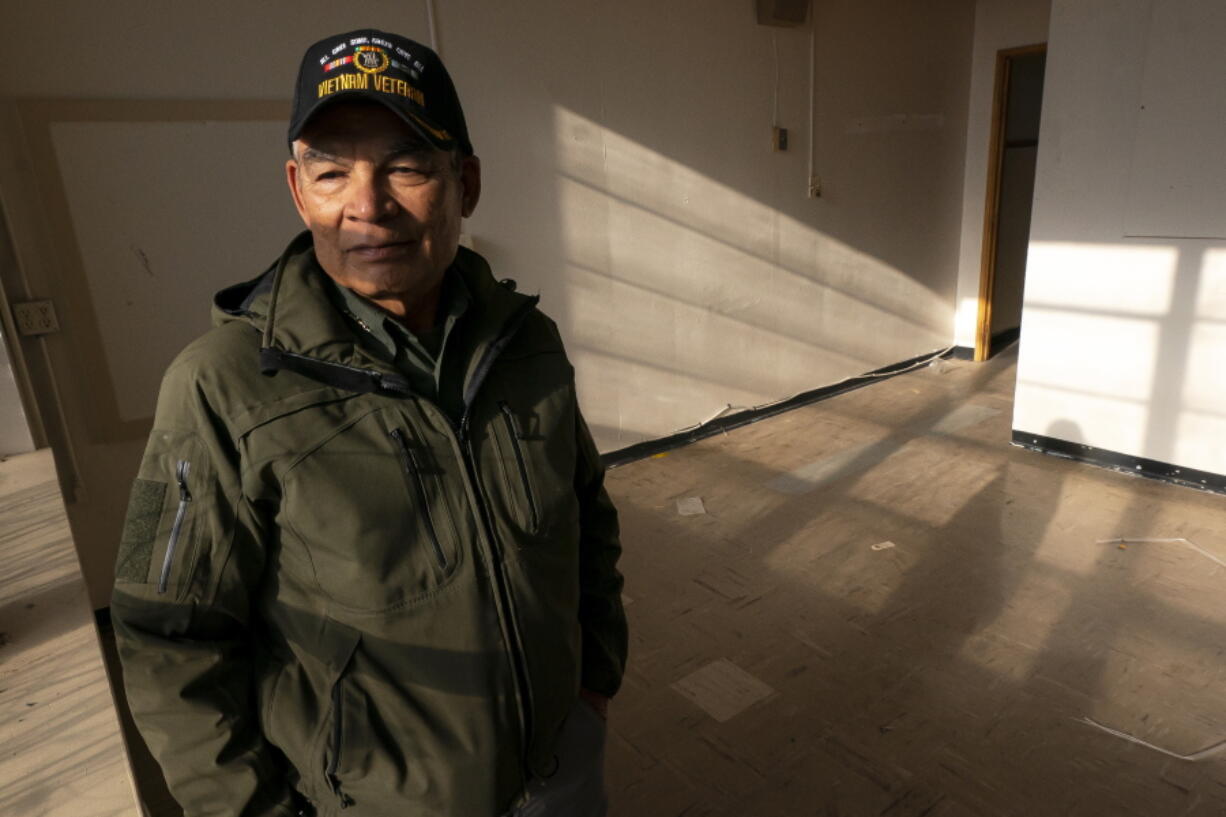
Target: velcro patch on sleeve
140, 530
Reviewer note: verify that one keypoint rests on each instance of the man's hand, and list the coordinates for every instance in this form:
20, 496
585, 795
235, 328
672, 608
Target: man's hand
596, 701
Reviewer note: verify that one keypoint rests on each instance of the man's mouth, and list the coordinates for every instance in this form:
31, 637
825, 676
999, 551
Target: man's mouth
380, 251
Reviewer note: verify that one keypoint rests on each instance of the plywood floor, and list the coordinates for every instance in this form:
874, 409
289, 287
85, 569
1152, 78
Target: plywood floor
61, 749
887, 610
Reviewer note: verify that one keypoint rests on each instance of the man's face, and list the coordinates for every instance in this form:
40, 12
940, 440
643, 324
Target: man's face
383, 207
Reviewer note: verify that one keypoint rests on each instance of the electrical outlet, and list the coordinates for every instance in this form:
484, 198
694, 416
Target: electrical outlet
779, 138
35, 318
815, 186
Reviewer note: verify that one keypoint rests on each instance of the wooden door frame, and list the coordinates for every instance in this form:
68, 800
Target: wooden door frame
991, 209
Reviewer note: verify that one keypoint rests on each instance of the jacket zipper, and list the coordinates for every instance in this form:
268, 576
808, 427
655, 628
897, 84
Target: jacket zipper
182, 468
513, 430
503, 593
334, 748
412, 471
523, 688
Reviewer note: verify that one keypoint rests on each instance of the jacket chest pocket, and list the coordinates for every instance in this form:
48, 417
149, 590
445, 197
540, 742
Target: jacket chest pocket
534, 452
368, 507
516, 472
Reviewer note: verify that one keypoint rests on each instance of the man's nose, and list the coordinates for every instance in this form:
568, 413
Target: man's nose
369, 199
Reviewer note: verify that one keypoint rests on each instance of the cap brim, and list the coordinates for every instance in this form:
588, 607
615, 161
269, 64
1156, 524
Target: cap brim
437, 137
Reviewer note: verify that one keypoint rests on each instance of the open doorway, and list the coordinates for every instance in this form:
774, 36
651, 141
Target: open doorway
1014, 147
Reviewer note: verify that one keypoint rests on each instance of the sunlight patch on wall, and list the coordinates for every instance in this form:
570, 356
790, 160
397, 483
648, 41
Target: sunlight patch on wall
1201, 441
1121, 279
966, 323
1091, 354
1211, 301
732, 299
1041, 409
751, 296
1204, 387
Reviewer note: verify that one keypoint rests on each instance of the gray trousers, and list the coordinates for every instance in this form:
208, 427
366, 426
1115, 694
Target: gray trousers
576, 788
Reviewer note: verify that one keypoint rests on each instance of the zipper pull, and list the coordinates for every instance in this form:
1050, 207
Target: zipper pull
406, 450
398, 435
182, 468
512, 420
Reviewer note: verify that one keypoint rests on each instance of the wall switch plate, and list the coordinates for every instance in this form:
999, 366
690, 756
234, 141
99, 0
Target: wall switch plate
35, 318
779, 138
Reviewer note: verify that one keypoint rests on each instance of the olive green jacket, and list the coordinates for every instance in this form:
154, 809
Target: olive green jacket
326, 585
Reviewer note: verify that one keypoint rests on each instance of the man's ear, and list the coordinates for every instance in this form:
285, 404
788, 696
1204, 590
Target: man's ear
292, 172
470, 180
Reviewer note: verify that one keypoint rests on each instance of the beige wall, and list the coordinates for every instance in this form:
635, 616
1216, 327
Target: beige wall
629, 179
999, 24
1125, 302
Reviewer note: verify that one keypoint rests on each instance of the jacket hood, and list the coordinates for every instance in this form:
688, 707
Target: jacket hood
302, 331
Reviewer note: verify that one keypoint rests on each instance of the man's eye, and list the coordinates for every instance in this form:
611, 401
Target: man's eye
327, 176
410, 171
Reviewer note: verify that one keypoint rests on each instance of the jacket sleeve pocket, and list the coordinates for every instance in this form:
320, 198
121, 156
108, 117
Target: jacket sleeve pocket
158, 547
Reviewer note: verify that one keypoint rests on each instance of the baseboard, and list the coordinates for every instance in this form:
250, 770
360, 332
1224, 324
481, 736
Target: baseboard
1003, 340
1122, 463
648, 448
1000, 341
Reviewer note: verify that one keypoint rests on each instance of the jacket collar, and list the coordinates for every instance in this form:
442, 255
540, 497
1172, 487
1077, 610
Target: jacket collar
301, 330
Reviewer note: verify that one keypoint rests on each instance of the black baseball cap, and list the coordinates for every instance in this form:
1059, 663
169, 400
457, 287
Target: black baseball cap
405, 76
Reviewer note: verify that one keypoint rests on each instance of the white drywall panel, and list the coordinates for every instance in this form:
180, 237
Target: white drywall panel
999, 24
150, 247
1178, 178
1122, 341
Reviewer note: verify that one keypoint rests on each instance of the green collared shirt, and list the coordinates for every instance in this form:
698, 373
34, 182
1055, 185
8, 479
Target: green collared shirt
420, 357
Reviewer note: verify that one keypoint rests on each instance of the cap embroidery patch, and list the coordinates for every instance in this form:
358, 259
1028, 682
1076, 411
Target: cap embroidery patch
408, 69
370, 59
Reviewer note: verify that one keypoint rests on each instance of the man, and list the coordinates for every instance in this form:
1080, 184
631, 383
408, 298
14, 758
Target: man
369, 564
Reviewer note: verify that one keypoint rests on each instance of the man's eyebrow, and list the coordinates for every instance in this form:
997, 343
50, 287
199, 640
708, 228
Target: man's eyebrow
317, 155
